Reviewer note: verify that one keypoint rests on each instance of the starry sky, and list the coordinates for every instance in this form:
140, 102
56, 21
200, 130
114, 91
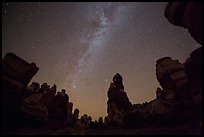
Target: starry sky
81, 46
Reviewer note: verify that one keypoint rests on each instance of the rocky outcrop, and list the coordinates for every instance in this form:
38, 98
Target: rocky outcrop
173, 80
75, 117
187, 15
170, 73
59, 105
85, 121
16, 74
37, 106
34, 103
17, 71
193, 69
69, 113
118, 102
48, 98
179, 100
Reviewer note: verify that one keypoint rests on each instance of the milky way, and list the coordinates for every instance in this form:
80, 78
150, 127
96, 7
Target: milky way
80, 47
107, 16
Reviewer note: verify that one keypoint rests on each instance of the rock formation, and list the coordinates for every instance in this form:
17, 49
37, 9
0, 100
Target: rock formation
172, 78
59, 105
69, 113
16, 74
193, 65
118, 102
85, 121
170, 73
17, 71
178, 100
187, 15
193, 69
75, 117
34, 103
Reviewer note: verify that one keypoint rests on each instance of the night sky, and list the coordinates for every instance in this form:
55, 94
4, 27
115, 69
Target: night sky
81, 46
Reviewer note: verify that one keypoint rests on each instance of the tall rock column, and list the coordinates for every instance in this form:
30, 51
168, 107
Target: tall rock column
118, 102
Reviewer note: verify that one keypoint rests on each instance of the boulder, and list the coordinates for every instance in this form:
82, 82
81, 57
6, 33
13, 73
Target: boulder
170, 73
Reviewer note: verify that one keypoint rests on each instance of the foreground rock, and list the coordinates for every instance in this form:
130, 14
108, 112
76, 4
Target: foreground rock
16, 74
33, 104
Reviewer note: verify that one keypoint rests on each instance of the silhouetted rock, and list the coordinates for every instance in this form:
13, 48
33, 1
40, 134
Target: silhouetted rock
69, 113
53, 89
44, 88
48, 98
59, 106
85, 121
179, 101
18, 70
16, 74
193, 65
75, 117
187, 15
118, 81
193, 69
31, 89
24, 105
189, 96
118, 102
76, 114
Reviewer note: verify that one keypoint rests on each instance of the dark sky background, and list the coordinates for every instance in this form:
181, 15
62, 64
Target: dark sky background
80, 47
